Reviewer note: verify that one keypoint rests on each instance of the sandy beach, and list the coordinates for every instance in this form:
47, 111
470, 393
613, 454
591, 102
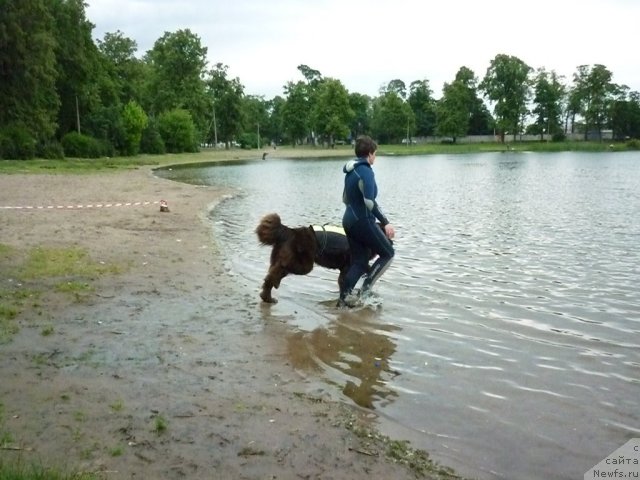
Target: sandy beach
164, 368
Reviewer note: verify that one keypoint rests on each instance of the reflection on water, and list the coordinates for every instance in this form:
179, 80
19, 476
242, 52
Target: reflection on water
354, 351
507, 340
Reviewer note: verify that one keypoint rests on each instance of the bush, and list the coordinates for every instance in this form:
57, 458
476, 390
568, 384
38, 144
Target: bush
248, 140
178, 131
17, 143
50, 150
82, 146
135, 121
106, 126
6, 146
151, 141
558, 137
633, 144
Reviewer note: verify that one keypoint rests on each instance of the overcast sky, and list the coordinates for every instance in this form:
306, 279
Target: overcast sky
367, 43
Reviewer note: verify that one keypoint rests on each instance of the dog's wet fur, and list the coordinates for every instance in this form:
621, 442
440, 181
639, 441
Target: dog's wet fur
295, 250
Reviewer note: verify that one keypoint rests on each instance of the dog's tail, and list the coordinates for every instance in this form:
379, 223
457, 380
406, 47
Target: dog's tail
270, 230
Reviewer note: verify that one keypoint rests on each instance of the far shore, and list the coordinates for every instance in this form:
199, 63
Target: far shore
74, 165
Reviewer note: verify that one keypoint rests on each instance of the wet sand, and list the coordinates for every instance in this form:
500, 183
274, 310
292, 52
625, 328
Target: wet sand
167, 369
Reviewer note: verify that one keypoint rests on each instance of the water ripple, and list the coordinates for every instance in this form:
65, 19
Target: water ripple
511, 312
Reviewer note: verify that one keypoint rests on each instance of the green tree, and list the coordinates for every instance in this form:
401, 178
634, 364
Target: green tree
82, 84
178, 63
572, 109
105, 123
275, 130
312, 76
392, 119
480, 120
396, 86
135, 121
423, 106
506, 83
460, 111
28, 97
361, 106
151, 141
454, 111
594, 92
225, 104
296, 112
332, 113
255, 119
127, 71
549, 94
625, 117
314, 80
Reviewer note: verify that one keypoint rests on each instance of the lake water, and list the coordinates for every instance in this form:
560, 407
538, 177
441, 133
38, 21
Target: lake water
505, 336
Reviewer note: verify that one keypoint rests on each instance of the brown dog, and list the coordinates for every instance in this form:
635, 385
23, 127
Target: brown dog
295, 250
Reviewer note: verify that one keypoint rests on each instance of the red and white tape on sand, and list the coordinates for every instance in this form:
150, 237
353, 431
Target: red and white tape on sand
81, 207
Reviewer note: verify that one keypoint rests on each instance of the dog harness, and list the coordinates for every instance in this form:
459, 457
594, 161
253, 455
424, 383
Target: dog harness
330, 238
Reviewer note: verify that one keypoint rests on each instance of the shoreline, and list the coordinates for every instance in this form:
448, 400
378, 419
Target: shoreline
167, 368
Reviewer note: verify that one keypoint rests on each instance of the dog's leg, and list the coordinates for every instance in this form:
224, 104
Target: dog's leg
272, 280
265, 294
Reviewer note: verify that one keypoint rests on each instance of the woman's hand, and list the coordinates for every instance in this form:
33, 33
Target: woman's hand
389, 231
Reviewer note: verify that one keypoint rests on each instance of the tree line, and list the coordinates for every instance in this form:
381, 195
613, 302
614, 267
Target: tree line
64, 94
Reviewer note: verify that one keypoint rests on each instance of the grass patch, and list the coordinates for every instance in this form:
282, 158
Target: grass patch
462, 148
116, 451
6, 439
8, 327
5, 251
117, 406
12, 302
47, 331
63, 262
398, 451
77, 289
9, 302
87, 358
17, 470
75, 165
79, 416
106, 164
28, 274
80, 166
7, 312
39, 359
160, 425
